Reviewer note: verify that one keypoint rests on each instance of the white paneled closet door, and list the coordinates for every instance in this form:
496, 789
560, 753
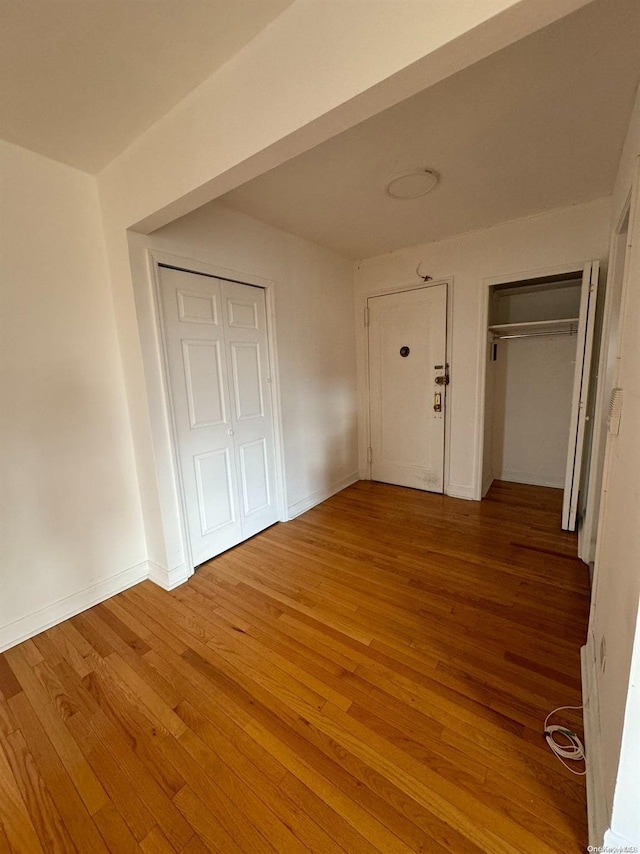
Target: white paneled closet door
582, 375
245, 330
216, 342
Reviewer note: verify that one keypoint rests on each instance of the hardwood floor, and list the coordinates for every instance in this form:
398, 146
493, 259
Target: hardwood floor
371, 677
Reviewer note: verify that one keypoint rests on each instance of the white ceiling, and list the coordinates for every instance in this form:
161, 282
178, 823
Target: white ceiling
537, 126
81, 79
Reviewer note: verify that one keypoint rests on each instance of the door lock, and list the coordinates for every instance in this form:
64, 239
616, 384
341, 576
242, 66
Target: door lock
437, 402
442, 380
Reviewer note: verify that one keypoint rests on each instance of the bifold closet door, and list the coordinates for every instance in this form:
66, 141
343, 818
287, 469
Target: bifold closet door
582, 375
245, 331
216, 344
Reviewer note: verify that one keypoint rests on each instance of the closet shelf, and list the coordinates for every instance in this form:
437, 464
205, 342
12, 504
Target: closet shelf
535, 327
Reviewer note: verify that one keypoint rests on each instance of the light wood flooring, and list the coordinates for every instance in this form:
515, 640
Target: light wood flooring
371, 677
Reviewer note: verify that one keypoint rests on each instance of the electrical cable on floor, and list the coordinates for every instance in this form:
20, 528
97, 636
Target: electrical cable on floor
571, 749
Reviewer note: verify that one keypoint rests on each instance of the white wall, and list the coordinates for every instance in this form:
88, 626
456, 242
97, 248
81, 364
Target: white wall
616, 592
625, 821
313, 303
72, 531
539, 244
281, 95
533, 384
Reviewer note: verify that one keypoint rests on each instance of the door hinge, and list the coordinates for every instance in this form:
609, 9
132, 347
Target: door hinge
615, 411
366, 316
369, 455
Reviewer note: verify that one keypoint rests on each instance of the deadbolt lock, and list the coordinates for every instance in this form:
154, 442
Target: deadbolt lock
442, 380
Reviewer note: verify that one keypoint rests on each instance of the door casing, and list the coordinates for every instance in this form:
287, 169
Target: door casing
606, 371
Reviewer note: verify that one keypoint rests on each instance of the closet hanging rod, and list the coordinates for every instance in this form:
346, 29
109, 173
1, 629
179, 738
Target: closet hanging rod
536, 334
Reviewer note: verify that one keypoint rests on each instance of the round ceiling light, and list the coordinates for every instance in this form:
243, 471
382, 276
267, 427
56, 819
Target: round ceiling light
411, 184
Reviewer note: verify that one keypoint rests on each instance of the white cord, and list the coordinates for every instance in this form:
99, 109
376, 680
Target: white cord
571, 749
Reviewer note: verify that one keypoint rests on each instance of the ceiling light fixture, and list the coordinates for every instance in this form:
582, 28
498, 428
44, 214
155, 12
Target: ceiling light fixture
411, 183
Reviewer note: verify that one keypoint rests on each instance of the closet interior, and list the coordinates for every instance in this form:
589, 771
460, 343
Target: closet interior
532, 340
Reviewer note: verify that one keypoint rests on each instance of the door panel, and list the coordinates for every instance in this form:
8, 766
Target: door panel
215, 490
245, 322
242, 315
582, 376
203, 382
197, 308
247, 380
216, 342
254, 477
407, 434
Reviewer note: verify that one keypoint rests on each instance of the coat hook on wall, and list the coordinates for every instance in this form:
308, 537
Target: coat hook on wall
421, 276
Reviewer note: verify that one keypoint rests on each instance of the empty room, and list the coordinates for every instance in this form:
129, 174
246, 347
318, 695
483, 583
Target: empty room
321, 396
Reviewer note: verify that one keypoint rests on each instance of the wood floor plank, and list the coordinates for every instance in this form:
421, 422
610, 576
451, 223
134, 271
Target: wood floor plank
8, 723
363, 822
370, 678
139, 777
9, 685
74, 814
18, 829
273, 798
155, 842
115, 831
52, 706
205, 823
5, 846
250, 822
104, 762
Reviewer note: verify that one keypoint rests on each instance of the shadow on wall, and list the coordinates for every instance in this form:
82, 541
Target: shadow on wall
320, 428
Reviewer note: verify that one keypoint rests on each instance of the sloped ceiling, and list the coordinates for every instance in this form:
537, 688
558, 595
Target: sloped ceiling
537, 126
81, 79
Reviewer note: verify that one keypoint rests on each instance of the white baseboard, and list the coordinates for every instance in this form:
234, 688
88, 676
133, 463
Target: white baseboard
168, 579
304, 504
26, 627
466, 492
596, 803
533, 478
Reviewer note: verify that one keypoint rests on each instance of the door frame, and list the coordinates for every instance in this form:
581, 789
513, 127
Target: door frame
580, 400
487, 283
163, 416
365, 397
587, 532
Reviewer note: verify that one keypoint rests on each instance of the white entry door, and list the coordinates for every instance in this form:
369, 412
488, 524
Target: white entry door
582, 376
407, 387
216, 342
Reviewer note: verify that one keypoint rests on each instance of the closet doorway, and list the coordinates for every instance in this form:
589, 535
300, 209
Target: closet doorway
540, 340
